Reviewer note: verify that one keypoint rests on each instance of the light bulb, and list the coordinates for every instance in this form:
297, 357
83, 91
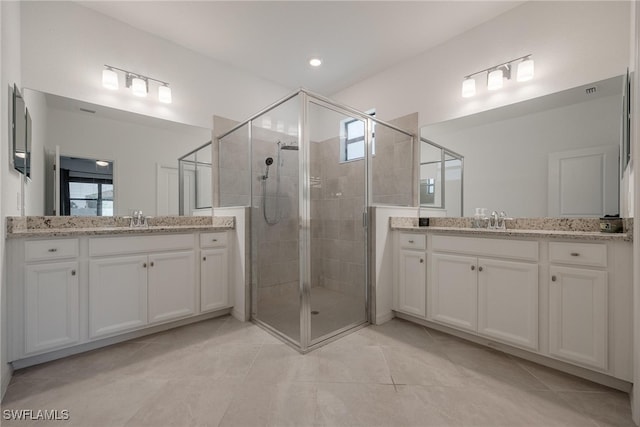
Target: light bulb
525, 70
494, 80
164, 94
315, 62
468, 87
138, 86
109, 79
102, 163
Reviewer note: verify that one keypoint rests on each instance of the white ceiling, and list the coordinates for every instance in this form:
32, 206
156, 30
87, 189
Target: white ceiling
275, 40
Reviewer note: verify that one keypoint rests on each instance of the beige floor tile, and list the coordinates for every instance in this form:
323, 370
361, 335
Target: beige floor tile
187, 402
492, 368
424, 367
236, 374
608, 409
350, 364
282, 404
490, 407
347, 404
84, 365
400, 333
559, 381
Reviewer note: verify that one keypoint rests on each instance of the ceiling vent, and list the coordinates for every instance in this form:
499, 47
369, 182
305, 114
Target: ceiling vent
590, 90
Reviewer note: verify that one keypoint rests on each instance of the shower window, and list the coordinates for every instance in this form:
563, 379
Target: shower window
353, 148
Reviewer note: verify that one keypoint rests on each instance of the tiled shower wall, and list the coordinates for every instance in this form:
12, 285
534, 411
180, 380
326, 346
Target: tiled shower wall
277, 244
337, 203
337, 198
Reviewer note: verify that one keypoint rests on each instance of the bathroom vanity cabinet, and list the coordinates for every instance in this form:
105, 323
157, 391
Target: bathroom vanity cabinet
566, 300
68, 292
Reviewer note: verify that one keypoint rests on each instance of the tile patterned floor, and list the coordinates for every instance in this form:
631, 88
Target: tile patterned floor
223, 372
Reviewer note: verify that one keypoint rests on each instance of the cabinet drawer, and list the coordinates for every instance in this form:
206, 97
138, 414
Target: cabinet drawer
42, 250
502, 248
413, 241
103, 246
213, 240
589, 254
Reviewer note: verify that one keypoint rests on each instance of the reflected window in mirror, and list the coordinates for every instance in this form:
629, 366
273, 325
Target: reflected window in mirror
86, 187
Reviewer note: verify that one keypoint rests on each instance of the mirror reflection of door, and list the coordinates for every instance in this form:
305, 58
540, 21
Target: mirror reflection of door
85, 187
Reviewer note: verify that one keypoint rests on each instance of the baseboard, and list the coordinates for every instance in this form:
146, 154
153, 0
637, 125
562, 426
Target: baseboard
540, 359
384, 318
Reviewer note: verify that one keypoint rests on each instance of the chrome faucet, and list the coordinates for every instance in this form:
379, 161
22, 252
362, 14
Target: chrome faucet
138, 219
493, 220
502, 221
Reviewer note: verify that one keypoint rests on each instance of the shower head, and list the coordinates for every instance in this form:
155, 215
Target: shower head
268, 161
289, 147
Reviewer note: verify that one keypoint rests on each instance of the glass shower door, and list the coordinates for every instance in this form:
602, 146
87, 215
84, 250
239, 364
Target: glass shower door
338, 238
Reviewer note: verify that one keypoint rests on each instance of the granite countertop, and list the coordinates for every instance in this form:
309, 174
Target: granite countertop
582, 230
23, 227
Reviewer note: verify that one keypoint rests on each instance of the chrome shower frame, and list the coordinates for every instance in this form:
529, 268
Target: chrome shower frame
307, 98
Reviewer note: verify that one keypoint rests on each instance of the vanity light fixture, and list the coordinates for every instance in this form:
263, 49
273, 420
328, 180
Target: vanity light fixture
138, 83
468, 87
109, 79
497, 74
525, 70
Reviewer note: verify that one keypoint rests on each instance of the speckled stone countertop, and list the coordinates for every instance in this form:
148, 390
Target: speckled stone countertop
558, 228
60, 226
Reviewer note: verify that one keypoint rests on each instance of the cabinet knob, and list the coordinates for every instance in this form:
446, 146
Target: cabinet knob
575, 254
214, 240
410, 241
204, 258
73, 272
53, 250
553, 278
152, 264
473, 267
144, 265
479, 268
421, 260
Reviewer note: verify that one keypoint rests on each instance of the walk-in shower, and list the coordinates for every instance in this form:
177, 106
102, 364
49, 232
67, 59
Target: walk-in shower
306, 168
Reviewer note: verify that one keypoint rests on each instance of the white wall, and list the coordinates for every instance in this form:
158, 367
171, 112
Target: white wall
136, 150
65, 46
11, 180
573, 43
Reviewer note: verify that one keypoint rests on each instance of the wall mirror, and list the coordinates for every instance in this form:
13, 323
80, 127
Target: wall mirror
142, 153
553, 156
21, 135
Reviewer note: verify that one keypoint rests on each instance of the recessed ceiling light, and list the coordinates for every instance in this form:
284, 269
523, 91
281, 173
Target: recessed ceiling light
315, 62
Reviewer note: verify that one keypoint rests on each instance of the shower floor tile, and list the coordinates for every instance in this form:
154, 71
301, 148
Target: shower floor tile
330, 311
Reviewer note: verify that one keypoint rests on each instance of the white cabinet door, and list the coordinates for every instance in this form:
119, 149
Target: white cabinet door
508, 301
171, 286
412, 283
214, 279
51, 306
454, 291
578, 315
117, 294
